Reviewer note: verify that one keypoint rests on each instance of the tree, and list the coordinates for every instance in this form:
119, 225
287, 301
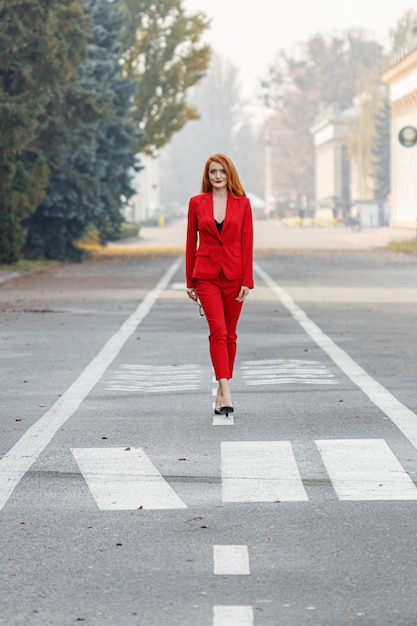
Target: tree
219, 104
381, 151
90, 148
320, 72
403, 36
164, 55
42, 42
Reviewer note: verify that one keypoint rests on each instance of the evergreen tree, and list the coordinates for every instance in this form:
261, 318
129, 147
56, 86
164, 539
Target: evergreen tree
381, 152
91, 149
41, 46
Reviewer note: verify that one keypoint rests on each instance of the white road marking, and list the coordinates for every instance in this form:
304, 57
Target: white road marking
287, 371
18, 460
178, 286
260, 471
121, 479
223, 420
400, 415
155, 378
365, 469
231, 560
232, 615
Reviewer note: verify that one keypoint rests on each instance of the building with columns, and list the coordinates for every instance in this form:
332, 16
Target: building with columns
401, 79
332, 168
343, 180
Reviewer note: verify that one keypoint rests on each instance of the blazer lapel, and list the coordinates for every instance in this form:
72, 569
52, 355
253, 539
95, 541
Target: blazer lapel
230, 209
209, 212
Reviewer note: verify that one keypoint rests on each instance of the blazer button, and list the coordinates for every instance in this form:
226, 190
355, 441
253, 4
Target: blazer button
220, 243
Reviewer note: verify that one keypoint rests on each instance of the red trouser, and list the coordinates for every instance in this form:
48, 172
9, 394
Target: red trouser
218, 299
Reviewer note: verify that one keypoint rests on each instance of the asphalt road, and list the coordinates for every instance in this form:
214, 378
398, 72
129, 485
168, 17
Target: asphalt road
123, 501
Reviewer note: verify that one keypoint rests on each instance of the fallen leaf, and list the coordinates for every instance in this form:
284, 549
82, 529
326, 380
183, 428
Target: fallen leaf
193, 519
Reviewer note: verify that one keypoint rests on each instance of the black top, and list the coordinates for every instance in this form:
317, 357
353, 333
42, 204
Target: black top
219, 226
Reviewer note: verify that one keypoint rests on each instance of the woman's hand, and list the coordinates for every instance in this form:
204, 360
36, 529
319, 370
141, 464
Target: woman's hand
191, 292
244, 291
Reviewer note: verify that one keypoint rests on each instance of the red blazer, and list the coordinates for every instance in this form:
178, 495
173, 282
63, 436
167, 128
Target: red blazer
230, 250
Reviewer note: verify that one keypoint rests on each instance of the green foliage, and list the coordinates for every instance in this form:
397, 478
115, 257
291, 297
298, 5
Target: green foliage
90, 148
127, 230
165, 58
407, 246
381, 151
11, 238
220, 128
71, 112
41, 44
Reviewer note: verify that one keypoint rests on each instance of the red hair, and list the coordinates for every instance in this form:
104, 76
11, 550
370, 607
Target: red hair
234, 184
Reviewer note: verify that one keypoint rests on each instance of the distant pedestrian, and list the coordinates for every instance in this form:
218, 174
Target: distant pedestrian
219, 263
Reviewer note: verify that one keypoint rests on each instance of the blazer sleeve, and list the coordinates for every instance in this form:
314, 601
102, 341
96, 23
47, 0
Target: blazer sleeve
247, 247
191, 243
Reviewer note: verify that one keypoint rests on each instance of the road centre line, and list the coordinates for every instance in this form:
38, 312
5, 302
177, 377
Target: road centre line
229, 615
20, 457
231, 560
221, 420
400, 415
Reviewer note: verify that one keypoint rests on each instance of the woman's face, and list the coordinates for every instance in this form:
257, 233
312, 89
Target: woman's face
217, 175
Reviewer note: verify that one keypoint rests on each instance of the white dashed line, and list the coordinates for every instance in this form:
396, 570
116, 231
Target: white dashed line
231, 560
232, 615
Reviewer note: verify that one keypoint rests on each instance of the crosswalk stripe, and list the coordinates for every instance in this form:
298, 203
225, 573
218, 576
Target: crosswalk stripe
231, 560
251, 471
365, 469
260, 471
125, 479
229, 615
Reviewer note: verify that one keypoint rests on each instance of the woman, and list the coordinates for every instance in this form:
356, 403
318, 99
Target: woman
219, 263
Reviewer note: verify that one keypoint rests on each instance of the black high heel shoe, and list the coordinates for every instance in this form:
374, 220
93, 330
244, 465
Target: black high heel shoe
225, 410
217, 411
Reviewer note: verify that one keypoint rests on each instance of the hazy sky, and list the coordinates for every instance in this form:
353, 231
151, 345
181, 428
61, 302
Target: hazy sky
251, 32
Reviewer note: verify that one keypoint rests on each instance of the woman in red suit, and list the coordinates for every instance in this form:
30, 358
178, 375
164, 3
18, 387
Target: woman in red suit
219, 263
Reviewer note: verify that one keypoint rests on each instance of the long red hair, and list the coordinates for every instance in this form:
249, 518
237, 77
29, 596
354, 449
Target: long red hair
234, 184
